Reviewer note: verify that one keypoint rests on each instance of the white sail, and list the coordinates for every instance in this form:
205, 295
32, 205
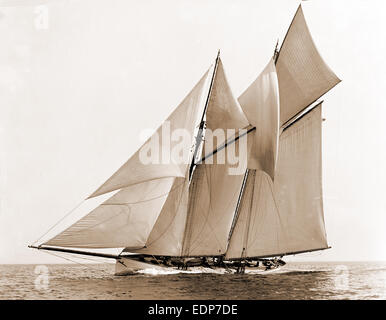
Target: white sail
302, 73
260, 103
286, 217
186, 117
125, 219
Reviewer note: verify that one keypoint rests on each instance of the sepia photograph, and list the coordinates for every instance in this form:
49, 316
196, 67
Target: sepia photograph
203, 150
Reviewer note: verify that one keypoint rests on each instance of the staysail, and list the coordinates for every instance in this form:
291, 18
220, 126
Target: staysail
286, 216
303, 75
197, 222
260, 103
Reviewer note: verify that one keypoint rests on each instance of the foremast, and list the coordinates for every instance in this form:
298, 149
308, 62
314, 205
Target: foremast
200, 134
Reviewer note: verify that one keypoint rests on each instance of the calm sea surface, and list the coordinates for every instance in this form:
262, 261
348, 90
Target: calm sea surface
354, 280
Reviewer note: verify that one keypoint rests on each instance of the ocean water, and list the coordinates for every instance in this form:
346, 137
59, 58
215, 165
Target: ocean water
305, 280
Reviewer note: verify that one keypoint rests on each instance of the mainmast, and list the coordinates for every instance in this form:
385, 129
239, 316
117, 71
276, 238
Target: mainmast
200, 133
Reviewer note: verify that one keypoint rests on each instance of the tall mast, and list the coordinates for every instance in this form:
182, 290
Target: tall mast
202, 123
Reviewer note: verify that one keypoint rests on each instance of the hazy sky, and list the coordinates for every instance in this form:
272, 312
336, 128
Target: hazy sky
77, 88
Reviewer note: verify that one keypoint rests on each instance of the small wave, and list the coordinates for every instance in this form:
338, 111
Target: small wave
192, 270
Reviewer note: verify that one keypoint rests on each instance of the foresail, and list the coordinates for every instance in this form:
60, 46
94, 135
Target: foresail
287, 216
213, 196
260, 103
125, 219
303, 75
185, 117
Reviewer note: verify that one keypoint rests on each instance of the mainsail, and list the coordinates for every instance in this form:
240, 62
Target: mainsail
285, 216
298, 183
303, 75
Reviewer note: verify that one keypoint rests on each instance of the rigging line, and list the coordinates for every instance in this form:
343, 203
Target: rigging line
64, 217
79, 256
73, 261
84, 258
